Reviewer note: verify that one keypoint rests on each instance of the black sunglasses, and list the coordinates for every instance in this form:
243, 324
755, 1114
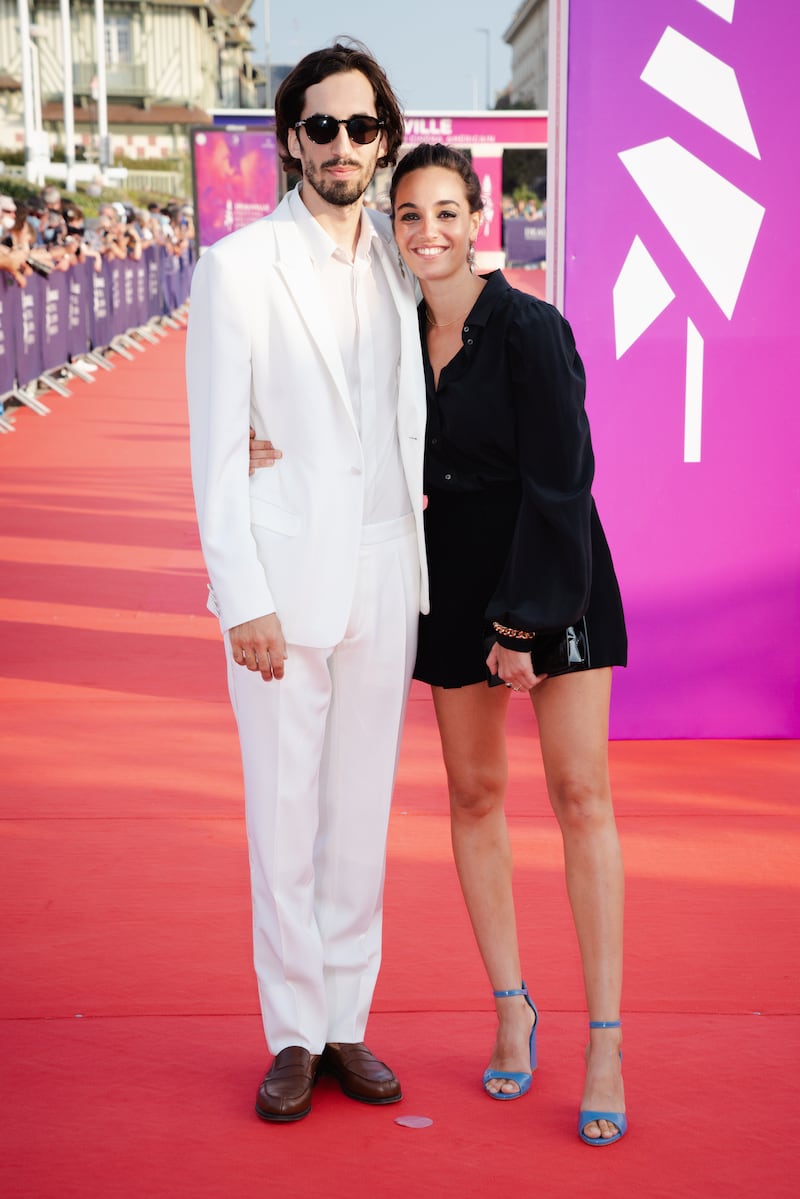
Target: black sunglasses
322, 129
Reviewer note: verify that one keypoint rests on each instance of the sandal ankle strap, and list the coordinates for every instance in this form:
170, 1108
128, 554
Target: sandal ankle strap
509, 994
605, 1024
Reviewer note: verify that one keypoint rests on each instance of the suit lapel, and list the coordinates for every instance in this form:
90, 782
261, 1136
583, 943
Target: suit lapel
295, 268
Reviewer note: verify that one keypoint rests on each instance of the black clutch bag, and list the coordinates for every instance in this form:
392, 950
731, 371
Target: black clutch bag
553, 653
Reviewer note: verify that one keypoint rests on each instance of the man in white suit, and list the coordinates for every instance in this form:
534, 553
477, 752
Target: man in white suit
303, 325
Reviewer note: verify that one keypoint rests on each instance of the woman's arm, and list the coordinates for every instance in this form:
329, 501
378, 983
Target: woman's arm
547, 578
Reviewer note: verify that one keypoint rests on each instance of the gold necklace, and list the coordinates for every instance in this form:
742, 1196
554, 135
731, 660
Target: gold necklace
446, 325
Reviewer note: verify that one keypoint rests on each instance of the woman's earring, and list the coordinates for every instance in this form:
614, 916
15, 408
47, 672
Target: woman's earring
471, 257
400, 262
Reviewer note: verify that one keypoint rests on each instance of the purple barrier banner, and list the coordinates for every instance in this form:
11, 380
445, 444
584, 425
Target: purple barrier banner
28, 331
681, 275
128, 298
170, 280
101, 323
154, 262
55, 340
113, 271
9, 319
525, 241
54, 319
79, 288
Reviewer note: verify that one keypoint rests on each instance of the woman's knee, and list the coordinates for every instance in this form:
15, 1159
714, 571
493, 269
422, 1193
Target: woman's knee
476, 795
582, 804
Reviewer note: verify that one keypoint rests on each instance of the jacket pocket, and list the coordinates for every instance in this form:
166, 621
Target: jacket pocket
269, 516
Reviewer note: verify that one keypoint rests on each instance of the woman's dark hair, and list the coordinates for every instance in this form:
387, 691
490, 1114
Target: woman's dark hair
21, 218
427, 155
335, 60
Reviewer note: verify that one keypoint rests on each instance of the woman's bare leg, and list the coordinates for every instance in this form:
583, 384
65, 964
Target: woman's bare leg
572, 712
472, 730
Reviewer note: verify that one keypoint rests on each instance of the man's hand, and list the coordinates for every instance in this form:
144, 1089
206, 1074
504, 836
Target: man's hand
262, 453
259, 645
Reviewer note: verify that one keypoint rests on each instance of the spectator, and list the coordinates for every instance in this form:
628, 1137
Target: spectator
52, 227
12, 262
8, 212
76, 242
187, 221
22, 237
109, 234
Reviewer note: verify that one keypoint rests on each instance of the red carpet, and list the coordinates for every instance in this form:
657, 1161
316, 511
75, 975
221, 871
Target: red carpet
130, 1044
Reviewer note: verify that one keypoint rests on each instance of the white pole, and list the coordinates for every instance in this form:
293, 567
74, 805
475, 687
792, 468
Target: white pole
37, 90
69, 110
102, 99
487, 34
268, 52
27, 86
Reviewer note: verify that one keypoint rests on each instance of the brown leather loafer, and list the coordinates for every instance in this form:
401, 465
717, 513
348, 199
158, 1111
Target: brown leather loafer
360, 1074
285, 1093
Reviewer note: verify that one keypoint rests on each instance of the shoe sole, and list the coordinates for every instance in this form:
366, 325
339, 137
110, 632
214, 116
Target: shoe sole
375, 1102
274, 1118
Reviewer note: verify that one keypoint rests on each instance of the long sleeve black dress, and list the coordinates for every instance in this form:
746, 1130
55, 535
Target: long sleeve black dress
512, 530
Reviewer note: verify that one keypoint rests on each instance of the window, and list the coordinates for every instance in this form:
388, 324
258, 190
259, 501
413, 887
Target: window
119, 47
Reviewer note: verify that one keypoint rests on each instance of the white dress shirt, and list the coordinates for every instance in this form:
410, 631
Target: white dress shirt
365, 318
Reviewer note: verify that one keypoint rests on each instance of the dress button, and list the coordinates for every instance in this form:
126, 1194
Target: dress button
434, 441
448, 477
469, 341
466, 328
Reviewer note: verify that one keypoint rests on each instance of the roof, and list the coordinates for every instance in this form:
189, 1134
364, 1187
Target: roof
132, 114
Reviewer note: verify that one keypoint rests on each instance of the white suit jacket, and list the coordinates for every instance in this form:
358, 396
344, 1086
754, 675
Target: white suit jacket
262, 350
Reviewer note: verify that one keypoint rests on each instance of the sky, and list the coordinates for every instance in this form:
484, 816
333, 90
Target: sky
432, 52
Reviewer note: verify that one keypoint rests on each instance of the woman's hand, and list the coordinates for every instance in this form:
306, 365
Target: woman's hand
514, 668
262, 453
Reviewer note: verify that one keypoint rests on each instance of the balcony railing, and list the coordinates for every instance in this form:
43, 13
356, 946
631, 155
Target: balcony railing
122, 79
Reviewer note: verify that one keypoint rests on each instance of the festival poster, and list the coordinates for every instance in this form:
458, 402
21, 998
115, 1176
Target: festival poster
235, 172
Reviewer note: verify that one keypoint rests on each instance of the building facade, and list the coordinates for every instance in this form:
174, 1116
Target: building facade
168, 63
527, 35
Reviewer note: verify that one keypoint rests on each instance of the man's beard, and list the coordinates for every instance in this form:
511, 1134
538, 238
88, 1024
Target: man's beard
339, 192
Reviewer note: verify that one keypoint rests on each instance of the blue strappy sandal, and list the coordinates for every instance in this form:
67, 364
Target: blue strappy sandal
618, 1118
523, 1081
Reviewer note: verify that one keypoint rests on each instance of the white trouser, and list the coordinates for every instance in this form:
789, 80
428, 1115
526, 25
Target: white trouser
319, 751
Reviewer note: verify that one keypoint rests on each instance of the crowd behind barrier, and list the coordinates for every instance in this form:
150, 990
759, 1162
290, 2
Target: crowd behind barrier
58, 319
71, 288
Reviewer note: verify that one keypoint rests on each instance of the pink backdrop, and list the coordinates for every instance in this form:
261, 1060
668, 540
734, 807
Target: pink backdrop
705, 225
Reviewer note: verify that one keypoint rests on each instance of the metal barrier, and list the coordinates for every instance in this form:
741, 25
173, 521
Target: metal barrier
56, 325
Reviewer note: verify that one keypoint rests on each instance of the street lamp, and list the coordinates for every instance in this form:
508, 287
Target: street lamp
487, 35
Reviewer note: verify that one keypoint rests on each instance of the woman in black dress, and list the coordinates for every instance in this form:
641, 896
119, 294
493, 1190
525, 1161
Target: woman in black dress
517, 559
516, 552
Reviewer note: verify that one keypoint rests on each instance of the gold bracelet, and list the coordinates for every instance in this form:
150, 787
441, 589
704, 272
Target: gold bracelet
504, 631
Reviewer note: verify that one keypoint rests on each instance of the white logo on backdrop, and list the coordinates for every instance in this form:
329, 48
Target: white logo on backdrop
711, 220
